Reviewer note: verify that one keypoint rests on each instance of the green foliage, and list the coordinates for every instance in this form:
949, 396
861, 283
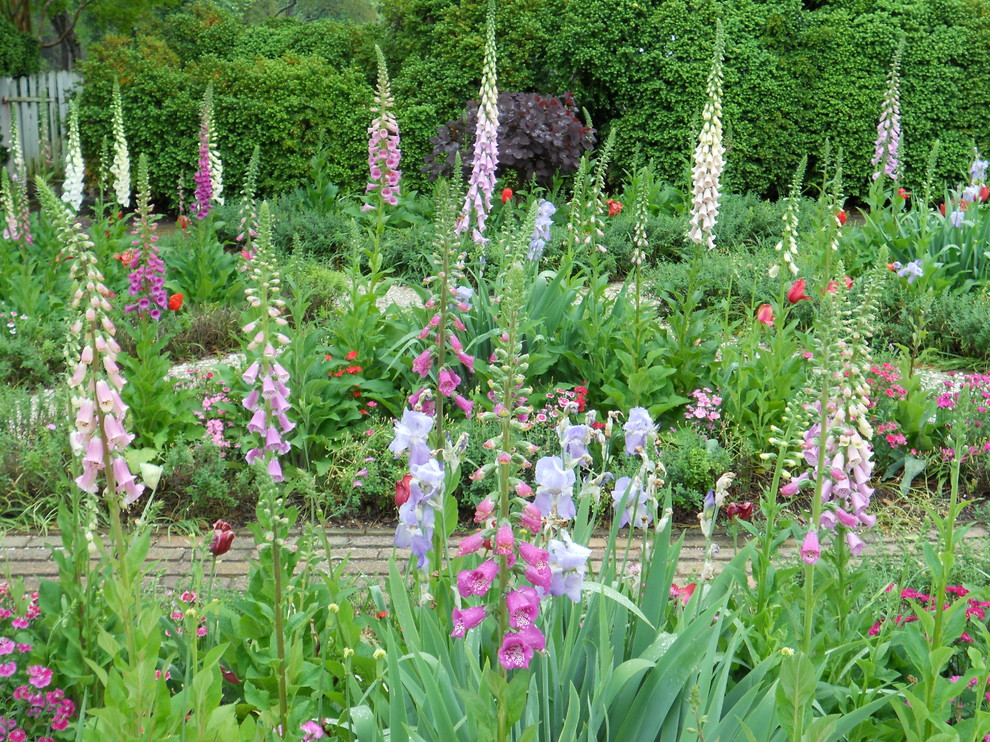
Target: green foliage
196, 476
693, 463
20, 53
293, 107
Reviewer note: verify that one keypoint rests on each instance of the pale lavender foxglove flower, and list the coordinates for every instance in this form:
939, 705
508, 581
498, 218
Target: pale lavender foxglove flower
885, 155
482, 182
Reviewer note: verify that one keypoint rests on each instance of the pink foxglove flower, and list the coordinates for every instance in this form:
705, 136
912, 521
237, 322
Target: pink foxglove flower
465, 620
383, 143
96, 381
810, 550
269, 399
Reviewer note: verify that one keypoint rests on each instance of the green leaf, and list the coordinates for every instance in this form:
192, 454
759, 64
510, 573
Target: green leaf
612, 593
912, 467
795, 691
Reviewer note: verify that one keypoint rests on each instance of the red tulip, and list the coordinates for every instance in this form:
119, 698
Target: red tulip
182, 222
506, 195
614, 207
684, 593
841, 216
765, 315
175, 302
796, 292
984, 193
402, 490
223, 537
740, 510
902, 194
941, 208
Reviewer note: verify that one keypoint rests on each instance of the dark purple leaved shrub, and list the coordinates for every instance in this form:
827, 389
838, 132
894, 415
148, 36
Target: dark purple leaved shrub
538, 136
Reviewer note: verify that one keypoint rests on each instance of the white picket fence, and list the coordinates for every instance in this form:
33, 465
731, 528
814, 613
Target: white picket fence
36, 98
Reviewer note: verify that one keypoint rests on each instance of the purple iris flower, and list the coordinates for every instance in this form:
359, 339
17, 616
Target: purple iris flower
638, 428
632, 498
555, 487
410, 433
568, 564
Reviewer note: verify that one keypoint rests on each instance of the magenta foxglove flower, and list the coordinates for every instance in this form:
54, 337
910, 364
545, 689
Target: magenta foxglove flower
477, 581
465, 620
523, 605
470, 544
448, 381
147, 280
515, 652
504, 540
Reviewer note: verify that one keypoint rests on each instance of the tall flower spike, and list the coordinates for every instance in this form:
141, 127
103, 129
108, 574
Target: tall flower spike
249, 212
788, 245
16, 205
640, 242
588, 203
204, 172
216, 164
885, 156
72, 189
121, 167
269, 398
482, 183
99, 438
708, 162
383, 142
148, 277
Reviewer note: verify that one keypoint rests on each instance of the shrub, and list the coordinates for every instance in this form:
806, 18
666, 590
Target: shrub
538, 137
291, 107
20, 53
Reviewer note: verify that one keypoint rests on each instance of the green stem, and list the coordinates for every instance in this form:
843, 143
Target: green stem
283, 701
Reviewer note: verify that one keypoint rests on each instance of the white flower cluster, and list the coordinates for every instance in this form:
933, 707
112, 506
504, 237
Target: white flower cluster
708, 155
121, 167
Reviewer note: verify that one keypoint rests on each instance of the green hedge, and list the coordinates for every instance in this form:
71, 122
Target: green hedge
795, 73
289, 106
19, 52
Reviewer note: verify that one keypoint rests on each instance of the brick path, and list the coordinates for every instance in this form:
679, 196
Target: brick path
367, 551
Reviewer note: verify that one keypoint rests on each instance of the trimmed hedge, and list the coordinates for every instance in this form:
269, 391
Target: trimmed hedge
289, 106
796, 72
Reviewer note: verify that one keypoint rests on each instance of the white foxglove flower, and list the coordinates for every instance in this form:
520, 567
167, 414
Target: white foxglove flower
121, 167
72, 189
708, 155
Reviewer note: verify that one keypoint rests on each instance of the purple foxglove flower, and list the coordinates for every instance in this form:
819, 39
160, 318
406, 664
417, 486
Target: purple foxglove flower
423, 363
447, 382
464, 621
515, 652
410, 433
810, 550
504, 540
470, 544
523, 605
855, 544
639, 427
540, 577
555, 488
827, 521
484, 510
531, 518
275, 470
466, 405
477, 581
533, 555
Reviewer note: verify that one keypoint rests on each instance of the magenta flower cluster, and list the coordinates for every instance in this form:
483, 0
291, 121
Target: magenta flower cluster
147, 280
448, 379
27, 710
204, 176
